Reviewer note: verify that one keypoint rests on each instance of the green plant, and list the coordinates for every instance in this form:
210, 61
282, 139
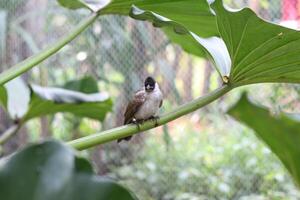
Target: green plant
243, 48
58, 174
278, 131
80, 97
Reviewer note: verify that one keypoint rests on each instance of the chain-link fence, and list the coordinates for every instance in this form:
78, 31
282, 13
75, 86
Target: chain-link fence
205, 155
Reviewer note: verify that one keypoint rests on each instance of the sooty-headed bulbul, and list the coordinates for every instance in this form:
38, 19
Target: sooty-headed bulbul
144, 105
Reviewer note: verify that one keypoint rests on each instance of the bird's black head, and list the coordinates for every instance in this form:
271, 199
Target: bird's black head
149, 84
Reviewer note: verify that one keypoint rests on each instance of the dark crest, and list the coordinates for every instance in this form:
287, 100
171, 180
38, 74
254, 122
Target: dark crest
149, 84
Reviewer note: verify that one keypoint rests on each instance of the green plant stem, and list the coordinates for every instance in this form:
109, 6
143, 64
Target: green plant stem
11, 131
127, 130
32, 61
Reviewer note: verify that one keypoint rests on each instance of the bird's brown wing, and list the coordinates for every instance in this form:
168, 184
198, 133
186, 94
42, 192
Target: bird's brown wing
133, 106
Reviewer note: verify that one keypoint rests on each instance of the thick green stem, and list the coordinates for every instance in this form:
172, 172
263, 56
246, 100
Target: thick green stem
123, 131
32, 61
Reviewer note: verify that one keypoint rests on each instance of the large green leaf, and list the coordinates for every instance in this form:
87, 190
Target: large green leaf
86, 85
281, 132
260, 51
213, 47
195, 15
48, 100
50, 171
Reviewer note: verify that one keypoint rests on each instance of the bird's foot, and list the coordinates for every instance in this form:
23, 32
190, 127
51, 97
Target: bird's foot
138, 122
155, 118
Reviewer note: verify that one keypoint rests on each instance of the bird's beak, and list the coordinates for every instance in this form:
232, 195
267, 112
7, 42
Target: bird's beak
148, 87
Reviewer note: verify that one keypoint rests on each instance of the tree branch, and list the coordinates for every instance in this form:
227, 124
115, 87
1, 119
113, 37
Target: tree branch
11, 131
127, 130
32, 61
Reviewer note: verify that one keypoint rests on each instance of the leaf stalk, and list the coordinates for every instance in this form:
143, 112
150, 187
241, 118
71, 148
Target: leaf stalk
32, 61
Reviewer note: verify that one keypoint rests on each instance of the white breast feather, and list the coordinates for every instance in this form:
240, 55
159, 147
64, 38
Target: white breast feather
151, 105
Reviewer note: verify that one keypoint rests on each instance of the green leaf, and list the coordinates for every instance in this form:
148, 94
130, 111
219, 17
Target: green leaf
281, 132
260, 51
195, 15
24, 103
255, 51
93, 5
175, 31
192, 15
213, 47
51, 171
187, 43
47, 100
86, 85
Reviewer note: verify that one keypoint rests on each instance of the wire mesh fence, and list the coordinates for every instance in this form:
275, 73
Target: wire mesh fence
205, 155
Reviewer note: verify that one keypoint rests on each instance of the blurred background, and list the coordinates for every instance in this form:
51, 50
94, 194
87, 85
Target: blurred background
204, 155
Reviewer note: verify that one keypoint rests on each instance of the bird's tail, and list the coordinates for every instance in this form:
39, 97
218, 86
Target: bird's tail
125, 138
128, 137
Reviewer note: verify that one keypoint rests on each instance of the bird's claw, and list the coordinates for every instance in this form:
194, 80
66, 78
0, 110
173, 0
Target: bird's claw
141, 121
137, 123
155, 118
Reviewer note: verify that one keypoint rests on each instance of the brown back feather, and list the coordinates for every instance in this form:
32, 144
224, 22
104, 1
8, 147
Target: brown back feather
161, 103
133, 106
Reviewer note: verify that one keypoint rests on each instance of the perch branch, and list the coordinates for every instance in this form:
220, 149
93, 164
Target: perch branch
127, 130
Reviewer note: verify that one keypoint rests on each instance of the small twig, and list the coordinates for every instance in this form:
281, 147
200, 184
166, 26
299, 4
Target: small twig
11, 131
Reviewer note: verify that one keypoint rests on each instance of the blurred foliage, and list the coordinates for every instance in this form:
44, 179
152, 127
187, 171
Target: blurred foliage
25, 102
54, 172
86, 85
207, 164
280, 132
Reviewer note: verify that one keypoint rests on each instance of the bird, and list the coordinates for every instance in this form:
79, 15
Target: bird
144, 104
